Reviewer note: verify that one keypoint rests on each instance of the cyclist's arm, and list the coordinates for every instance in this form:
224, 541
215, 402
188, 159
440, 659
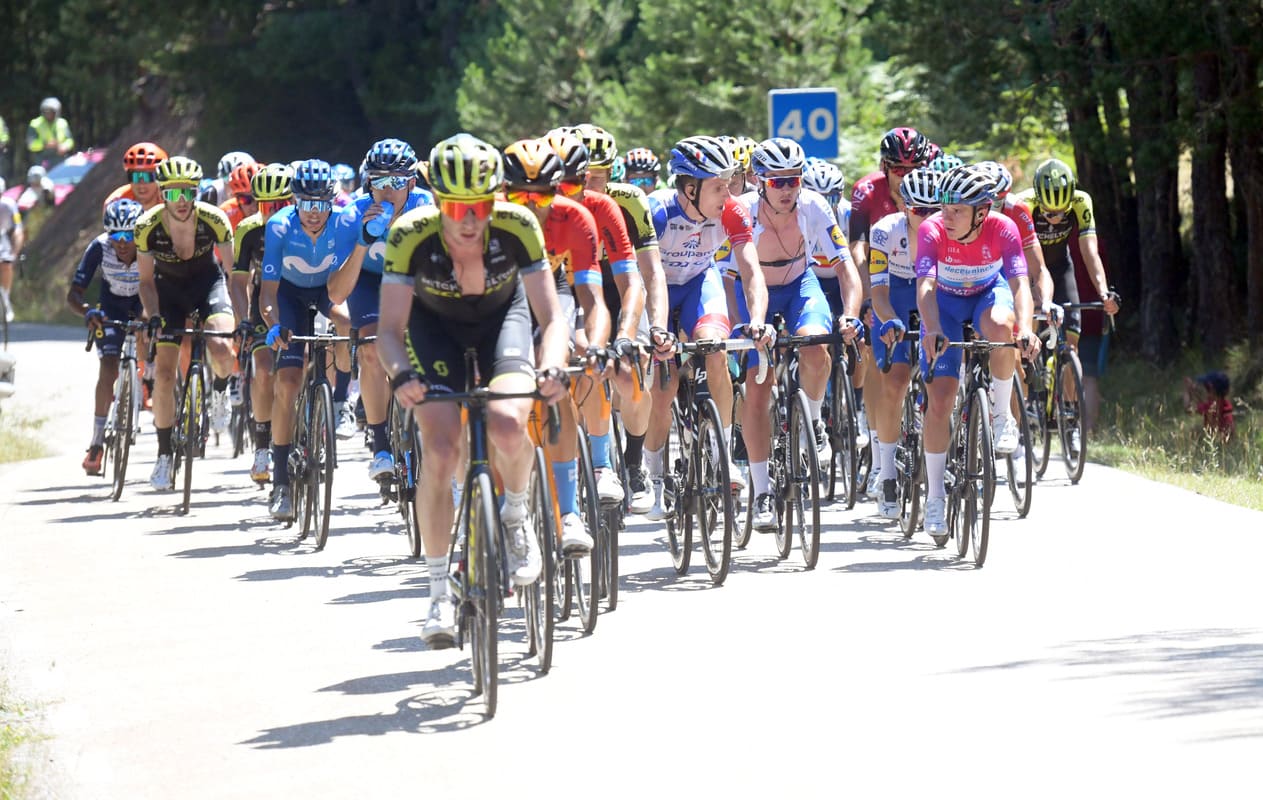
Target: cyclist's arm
655, 281
267, 301
82, 279
1096, 271
17, 240
239, 293
747, 258
1022, 306
392, 324
596, 317
225, 256
148, 289
1042, 284
343, 279
541, 293
927, 306
880, 283
850, 285
632, 290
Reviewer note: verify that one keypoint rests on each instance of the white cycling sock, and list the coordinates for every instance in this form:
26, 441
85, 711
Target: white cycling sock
758, 474
653, 461
814, 407
887, 452
935, 466
438, 576
1001, 394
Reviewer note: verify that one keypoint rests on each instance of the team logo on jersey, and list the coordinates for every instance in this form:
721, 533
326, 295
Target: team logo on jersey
986, 253
376, 251
724, 251
880, 237
835, 233
302, 267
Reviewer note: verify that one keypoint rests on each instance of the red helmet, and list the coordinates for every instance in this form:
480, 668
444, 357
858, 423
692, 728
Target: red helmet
904, 147
239, 180
143, 157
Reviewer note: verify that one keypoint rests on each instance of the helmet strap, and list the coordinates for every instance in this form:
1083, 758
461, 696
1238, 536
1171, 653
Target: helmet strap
697, 195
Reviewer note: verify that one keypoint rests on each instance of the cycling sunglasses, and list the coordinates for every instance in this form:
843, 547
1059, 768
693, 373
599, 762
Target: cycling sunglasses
900, 169
315, 205
177, 193
123, 236
389, 181
524, 196
458, 209
245, 198
570, 188
786, 182
922, 211
269, 207
647, 183
140, 177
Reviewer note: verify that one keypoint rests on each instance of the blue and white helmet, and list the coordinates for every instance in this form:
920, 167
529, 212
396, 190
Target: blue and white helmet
121, 215
702, 157
313, 180
392, 156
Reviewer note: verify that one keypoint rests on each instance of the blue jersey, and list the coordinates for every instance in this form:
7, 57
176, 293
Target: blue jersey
375, 258
289, 253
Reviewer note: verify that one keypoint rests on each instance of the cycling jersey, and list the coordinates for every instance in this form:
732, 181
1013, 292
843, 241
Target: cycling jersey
1017, 210
890, 253
153, 239
417, 257
870, 201
375, 255
616, 246
571, 241
634, 204
233, 210
970, 269
688, 248
119, 279
247, 246
822, 240
289, 253
10, 221
1053, 234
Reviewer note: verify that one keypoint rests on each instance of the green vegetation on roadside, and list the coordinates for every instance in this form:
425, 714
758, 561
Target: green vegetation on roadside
19, 437
1145, 429
15, 732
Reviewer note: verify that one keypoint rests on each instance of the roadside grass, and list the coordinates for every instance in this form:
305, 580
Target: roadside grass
19, 437
16, 732
1144, 428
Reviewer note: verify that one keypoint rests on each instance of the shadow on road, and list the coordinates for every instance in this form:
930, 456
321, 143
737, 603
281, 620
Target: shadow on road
1204, 672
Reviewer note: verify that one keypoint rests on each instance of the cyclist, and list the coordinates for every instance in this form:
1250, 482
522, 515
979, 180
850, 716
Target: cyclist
345, 176
469, 274
643, 169
532, 172
692, 222
216, 191
272, 192
744, 179
241, 204
876, 196
892, 275
114, 254
390, 165
969, 266
177, 243
642, 302
12, 237
139, 162
789, 226
302, 247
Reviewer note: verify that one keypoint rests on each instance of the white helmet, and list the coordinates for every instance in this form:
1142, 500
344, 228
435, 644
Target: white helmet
50, 104
775, 155
231, 161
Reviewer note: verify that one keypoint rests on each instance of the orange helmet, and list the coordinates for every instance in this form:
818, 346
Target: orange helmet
532, 162
572, 152
143, 157
239, 180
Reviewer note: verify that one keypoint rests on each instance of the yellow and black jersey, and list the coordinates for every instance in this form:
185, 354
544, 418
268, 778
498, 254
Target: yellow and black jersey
634, 204
247, 244
153, 239
1053, 234
417, 256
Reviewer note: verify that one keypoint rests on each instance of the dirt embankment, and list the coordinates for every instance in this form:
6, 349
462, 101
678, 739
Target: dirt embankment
51, 257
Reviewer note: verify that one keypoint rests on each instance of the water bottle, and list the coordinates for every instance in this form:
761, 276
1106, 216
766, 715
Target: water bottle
378, 225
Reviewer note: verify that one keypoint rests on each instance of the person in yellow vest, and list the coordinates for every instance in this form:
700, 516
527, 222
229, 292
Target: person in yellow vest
48, 138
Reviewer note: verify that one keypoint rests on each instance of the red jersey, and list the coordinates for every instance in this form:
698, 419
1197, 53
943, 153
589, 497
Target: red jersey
615, 241
1020, 213
870, 201
571, 240
234, 212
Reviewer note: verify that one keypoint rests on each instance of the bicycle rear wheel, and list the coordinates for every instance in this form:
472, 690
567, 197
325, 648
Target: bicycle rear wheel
980, 474
612, 519
1069, 404
742, 533
484, 579
123, 422
842, 425
538, 597
909, 461
780, 473
321, 458
405, 445
678, 455
586, 569
239, 424
1036, 410
713, 489
191, 420
1021, 478
803, 501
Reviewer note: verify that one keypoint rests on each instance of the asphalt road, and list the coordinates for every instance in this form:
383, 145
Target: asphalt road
1111, 646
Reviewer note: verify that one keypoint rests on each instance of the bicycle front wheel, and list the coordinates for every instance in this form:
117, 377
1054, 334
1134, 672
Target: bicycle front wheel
1069, 404
712, 486
191, 418
1036, 411
908, 459
678, 455
482, 532
321, 458
980, 480
802, 512
539, 598
1020, 476
586, 569
123, 422
843, 426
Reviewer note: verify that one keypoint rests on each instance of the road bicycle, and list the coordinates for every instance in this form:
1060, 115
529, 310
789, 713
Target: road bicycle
909, 452
122, 421
840, 417
243, 413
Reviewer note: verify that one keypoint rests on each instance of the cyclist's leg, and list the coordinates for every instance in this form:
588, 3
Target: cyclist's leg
807, 313
291, 313
1092, 350
705, 315
661, 396
993, 319
953, 311
895, 383
374, 388
215, 307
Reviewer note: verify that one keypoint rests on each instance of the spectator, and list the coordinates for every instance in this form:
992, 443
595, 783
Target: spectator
1208, 395
48, 138
11, 241
4, 147
39, 189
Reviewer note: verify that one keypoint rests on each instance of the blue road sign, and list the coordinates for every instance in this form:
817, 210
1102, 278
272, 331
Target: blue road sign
808, 116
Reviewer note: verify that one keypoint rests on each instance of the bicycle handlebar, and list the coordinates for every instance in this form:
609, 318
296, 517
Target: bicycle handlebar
973, 346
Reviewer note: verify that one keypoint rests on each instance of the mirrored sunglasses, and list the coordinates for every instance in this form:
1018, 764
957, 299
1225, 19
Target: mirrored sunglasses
177, 193
786, 182
315, 205
922, 211
459, 209
123, 236
389, 181
524, 196
570, 188
646, 182
900, 169
269, 207
140, 177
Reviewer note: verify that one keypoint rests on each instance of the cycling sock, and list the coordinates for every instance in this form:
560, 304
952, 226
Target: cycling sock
164, 441
872, 435
515, 506
935, 466
438, 576
262, 435
219, 384
814, 407
728, 441
1001, 394
98, 431
566, 477
758, 475
341, 385
653, 461
887, 450
381, 437
600, 451
635, 452
280, 464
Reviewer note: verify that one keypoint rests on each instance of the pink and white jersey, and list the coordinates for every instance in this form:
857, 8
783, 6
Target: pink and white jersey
970, 269
1020, 213
688, 247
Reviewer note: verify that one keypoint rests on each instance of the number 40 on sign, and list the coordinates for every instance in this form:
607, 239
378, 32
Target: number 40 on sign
808, 116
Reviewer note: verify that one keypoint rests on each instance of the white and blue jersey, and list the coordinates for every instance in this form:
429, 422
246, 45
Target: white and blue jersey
290, 254
119, 279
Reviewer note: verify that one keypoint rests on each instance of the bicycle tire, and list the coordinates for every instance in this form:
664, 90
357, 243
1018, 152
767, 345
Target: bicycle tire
484, 573
713, 492
1036, 410
778, 471
124, 402
746, 530
1022, 494
538, 598
299, 447
677, 479
805, 477
587, 568
406, 442
191, 420
909, 459
980, 467
612, 517
1069, 402
321, 459
239, 424
845, 463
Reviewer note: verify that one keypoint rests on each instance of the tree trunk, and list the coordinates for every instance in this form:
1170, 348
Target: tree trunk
1217, 304
1246, 150
1153, 104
